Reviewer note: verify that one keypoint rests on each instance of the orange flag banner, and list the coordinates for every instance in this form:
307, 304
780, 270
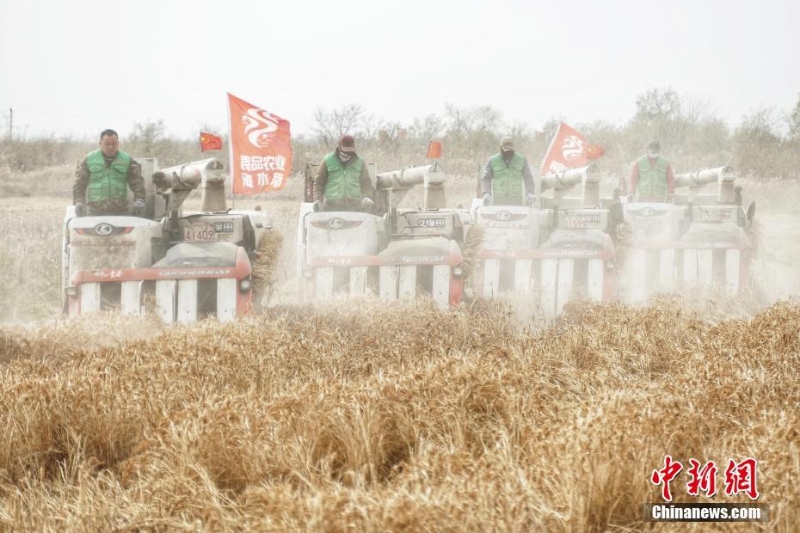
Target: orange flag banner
568, 149
261, 149
209, 141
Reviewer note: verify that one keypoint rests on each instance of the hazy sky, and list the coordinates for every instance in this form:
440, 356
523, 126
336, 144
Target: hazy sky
80, 66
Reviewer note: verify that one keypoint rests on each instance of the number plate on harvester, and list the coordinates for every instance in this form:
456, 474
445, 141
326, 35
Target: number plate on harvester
431, 222
583, 221
223, 227
716, 215
199, 232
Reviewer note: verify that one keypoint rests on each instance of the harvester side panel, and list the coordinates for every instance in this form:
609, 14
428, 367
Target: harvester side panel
388, 280
130, 297
358, 281
187, 300
323, 282
91, 297
165, 300
595, 285
549, 284
229, 300
491, 277
522, 275
666, 271
732, 272
407, 282
441, 285
564, 283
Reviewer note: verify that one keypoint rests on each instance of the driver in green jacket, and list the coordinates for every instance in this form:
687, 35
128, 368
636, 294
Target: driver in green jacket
102, 180
507, 177
652, 178
342, 182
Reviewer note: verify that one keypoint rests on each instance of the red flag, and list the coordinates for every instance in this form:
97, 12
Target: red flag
568, 149
209, 141
261, 149
594, 151
435, 149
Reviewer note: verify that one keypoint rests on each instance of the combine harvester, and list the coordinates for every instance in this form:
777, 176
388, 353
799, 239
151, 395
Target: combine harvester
698, 245
552, 253
390, 253
182, 265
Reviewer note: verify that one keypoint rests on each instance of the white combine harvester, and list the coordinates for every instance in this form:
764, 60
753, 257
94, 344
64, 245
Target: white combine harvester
549, 254
182, 265
390, 253
698, 245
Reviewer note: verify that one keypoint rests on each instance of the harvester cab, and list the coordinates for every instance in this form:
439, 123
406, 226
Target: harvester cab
183, 265
551, 253
389, 252
696, 245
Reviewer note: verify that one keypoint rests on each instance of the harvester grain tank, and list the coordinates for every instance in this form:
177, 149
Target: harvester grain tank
181, 265
390, 252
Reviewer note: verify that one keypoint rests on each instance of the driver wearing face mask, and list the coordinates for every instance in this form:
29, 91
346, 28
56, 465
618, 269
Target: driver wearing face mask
652, 177
506, 178
342, 182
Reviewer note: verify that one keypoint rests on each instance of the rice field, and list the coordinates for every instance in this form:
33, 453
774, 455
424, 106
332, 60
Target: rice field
377, 417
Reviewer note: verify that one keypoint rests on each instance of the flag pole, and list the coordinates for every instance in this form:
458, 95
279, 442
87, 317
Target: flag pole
230, 152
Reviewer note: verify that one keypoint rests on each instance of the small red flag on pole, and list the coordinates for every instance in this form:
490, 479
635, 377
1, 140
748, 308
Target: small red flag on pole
209, 141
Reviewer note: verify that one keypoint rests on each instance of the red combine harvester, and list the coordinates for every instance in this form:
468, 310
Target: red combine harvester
552, 253
390, 252
181, 265
697, 245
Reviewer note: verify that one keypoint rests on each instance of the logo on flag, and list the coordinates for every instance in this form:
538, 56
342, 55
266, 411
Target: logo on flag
209, 141
568, 149
261, 150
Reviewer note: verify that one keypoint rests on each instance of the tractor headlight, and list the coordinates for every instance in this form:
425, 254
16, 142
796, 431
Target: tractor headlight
245, 285
72, 292
458, 271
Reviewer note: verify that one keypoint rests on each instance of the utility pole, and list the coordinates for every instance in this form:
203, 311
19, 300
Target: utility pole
10, 118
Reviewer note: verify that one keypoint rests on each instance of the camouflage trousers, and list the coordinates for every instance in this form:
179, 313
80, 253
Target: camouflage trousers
346, 204
110, 206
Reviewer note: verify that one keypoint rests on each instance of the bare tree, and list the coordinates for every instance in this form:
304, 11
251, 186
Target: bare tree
794, 121
147, 133
330, 125
519, 130
463, 122
658, 103
370, 126
427, 128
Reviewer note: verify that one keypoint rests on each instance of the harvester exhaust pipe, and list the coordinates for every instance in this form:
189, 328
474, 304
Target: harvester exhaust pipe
724, 176
212, 190
180, 180
401, 181
564, 180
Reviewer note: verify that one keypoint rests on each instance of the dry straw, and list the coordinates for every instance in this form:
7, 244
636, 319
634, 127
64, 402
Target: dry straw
391, 417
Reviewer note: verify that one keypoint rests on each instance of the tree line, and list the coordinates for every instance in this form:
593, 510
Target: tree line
764, 144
